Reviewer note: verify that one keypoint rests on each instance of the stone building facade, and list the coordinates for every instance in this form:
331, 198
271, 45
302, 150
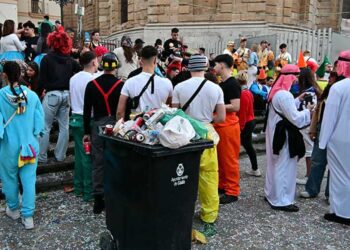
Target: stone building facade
211, 23
24, 10
107, 15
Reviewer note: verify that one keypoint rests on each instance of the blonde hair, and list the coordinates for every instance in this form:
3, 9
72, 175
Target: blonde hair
242, 76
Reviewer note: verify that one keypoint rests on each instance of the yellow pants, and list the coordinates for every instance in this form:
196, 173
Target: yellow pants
208, 185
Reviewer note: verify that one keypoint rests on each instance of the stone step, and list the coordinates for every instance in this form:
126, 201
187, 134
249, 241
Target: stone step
53, 181
70, 150
55, 167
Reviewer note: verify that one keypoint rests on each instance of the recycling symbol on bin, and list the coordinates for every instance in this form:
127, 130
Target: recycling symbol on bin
180, 169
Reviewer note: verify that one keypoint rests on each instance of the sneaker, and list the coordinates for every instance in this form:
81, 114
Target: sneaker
306, 195
301, 181
28, 223
255, 173
226, 199
209, 229
15, 215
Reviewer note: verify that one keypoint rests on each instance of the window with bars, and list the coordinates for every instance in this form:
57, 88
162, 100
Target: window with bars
37, 6
123, 11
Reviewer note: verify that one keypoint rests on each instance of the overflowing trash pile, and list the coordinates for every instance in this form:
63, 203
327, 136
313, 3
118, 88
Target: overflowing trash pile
169, 127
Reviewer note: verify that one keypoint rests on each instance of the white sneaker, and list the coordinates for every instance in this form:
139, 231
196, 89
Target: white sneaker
15, 215
301, 181
305, 194
255, 173
28, 223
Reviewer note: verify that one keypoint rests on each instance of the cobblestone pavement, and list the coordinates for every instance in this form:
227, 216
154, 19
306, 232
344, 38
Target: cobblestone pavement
63, 221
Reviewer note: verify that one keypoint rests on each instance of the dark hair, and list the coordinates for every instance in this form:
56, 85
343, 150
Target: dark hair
9, 27
128, 53
33, 82
158, 42
86, 58
174, 30
20, 26
29, 24
211, 77
202, 49
283, 46
69, 29
47, 17
12, 70
263, 41
227, 59
45, 30
148, 52
94, 32
307, 80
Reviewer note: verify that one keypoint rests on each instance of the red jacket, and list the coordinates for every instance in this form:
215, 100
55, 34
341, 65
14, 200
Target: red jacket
246, 111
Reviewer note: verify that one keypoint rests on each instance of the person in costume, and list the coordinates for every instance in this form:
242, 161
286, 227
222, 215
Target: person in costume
253, 63
242, 55
323, 73
229, 132
319, 156
101, 96
259, 93
247, 122
56, 69
284, 57
230, 48
310, 62
209, 98
21, 123
283, 151
335, 137
11, 48
270, 61
263, 54
82, 161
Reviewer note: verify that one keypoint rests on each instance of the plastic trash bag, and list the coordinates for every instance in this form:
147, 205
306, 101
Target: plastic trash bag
176, 133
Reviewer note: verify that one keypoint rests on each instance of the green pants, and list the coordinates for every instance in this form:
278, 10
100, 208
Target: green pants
83, 165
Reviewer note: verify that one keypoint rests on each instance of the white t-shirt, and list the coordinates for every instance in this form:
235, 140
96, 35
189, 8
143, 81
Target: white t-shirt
125, 67
163, 89
203, 105
77, 86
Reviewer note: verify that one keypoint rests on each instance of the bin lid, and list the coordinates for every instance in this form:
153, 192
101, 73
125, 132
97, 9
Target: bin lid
157, 150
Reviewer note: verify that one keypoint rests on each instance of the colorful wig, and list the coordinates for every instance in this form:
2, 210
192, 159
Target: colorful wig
60, 42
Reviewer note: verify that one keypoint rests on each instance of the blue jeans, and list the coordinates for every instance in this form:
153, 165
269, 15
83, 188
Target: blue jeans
318, 167
56, 105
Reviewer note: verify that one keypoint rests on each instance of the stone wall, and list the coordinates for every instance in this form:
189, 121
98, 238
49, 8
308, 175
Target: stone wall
105, 14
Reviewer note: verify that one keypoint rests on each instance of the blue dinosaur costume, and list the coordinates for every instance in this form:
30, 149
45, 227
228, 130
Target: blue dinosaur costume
21, 122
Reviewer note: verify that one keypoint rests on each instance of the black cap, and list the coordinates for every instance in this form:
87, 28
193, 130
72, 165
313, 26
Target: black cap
58, 21
109, 61
139, 41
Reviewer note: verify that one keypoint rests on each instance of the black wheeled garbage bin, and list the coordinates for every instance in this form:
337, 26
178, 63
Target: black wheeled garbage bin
150, 193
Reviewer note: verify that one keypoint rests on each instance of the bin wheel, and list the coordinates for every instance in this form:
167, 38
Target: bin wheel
107, 242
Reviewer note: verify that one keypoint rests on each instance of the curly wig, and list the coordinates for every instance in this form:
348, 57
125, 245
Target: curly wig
60, 42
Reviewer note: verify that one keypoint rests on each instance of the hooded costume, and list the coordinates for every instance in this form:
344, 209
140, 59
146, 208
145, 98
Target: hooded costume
21, 122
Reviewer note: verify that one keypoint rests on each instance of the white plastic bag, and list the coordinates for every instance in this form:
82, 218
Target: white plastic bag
176, 133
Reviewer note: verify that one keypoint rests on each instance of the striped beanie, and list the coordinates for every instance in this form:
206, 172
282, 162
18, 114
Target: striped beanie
198, 63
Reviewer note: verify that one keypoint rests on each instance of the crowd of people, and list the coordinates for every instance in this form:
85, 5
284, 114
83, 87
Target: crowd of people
50, 77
